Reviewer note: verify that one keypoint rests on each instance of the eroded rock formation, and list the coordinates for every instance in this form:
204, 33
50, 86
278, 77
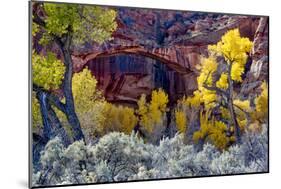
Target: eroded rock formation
259, 70
176, 39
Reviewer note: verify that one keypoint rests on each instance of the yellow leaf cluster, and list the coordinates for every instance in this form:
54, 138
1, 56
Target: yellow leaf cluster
117, 118
63, 119
222, 83
35, 28
202, 95
234, 49
47, 71
225, 113
242, 108
261, 103
208, 98
181, 121
36, 113
193, 101
143, 112
207, 68
236, 72
212, 131
242, 104
255, 127
159, 100
152, 113
242, 122
84, 89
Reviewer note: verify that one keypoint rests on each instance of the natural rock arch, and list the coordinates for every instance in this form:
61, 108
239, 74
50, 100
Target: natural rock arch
177, 58
128, 84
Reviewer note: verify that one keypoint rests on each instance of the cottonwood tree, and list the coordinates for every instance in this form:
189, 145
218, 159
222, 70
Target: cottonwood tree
67, 25
226, 61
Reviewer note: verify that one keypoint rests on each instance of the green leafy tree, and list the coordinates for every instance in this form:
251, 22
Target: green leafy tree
68, 25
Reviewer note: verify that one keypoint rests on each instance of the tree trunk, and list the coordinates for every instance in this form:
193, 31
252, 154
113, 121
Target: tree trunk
193, 125
51, 124
51, 128
168, 129
237, 130
68, 107
67, 90
47, 128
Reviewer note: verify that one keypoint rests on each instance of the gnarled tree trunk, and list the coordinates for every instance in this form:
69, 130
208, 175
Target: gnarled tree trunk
67, 90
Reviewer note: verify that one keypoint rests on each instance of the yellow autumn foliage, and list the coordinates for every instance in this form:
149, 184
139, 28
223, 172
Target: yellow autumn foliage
36, 112
98, 117
160, 99
181, 121
227, 60
234, 49
242, 104
143, 112
116, 118
208, 98
63, 120
236, 71
84, 88
261, 103
207, 68
212, 131
225, 113
192, 101
158, 104
222, 83
151, 114
47, 71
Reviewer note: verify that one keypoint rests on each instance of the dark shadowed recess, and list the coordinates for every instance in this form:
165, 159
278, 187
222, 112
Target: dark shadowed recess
124, 77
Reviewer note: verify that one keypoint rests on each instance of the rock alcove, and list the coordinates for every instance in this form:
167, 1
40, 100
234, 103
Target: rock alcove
124, 77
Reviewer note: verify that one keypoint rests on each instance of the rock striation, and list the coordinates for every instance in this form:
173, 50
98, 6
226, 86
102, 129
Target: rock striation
176, 39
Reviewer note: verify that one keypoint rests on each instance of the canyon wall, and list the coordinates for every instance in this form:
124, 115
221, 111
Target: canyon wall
176, 39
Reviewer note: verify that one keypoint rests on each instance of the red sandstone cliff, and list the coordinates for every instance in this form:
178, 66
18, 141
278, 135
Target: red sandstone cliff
174, 38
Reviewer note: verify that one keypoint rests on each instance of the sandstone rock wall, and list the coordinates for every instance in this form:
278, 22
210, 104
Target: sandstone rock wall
176, 39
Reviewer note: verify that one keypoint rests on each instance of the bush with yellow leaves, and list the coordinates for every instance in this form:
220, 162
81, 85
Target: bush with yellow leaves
152, 115
261, 103
97, 116
259, 115
116, 118
181, 120
213, 131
